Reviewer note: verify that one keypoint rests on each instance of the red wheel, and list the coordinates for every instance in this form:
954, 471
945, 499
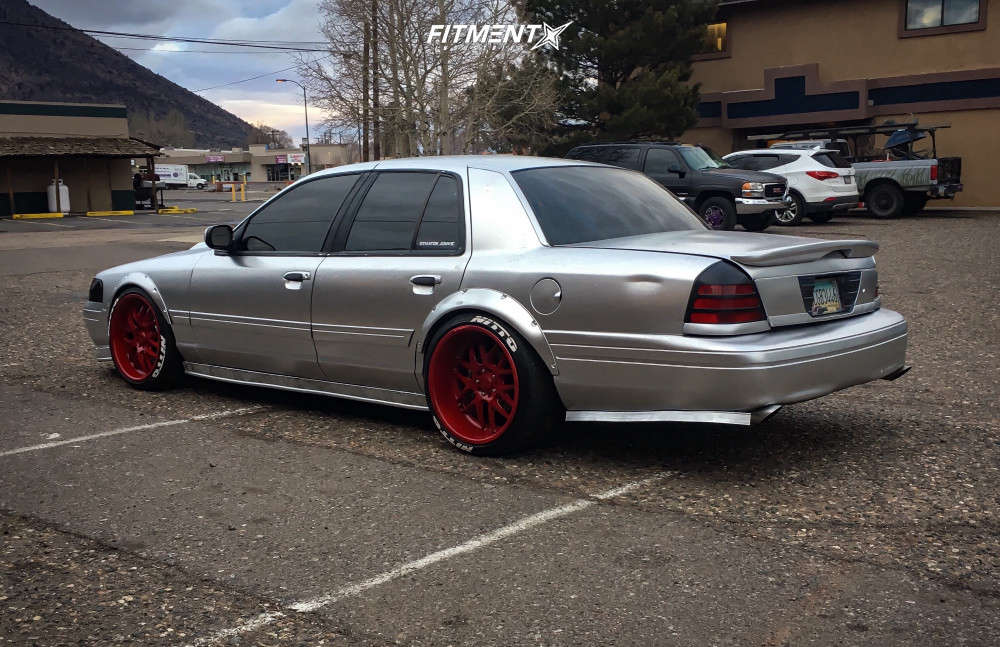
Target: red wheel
135, 337
473, 384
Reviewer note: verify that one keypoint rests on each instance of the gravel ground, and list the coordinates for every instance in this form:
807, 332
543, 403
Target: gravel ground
887, 480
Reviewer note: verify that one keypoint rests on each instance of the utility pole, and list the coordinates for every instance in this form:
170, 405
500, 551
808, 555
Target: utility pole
305, 107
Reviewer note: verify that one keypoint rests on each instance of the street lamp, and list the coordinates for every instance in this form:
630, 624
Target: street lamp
305, 107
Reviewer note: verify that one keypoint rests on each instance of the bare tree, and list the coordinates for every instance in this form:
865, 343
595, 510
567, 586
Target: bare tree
443, 96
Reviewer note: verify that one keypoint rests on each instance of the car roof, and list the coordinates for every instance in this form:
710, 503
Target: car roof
631, 143
782, 151
457, 163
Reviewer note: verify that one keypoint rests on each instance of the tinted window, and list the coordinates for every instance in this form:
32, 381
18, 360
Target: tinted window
390, 212
624, 156
575, 204
660, 160
698, 159
440, 226
298, 220
831, 159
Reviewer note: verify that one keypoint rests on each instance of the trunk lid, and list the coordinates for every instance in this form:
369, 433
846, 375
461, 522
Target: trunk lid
799, 280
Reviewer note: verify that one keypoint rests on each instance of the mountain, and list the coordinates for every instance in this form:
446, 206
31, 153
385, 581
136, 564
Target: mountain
60, 65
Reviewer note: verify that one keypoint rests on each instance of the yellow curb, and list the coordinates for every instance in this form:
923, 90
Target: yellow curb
25, 216
176, 210
109, 213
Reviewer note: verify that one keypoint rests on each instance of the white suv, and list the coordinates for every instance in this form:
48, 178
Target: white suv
820, 181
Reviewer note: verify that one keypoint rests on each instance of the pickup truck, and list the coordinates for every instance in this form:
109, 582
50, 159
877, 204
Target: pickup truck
723, 196
898, 181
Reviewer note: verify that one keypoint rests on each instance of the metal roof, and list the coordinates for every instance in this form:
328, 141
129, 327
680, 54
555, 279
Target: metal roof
107, 147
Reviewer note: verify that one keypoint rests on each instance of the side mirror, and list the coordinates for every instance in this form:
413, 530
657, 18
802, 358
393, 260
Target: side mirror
219, 237
676, 170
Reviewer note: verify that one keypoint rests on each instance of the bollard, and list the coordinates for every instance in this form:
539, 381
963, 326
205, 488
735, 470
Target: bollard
233, 185
243, 192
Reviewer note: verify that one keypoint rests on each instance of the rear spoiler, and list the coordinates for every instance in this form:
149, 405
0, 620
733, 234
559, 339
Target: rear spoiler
806, 252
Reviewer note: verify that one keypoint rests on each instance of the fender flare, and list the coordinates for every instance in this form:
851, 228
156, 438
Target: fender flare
493, 302
145, 282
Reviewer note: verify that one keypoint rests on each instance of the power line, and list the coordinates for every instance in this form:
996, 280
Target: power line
260, 44
259, 76
183, 51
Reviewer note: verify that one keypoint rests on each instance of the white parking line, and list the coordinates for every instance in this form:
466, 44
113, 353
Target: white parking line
537, 519
125, 430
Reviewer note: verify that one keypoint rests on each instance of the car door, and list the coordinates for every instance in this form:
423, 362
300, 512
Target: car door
400, 249
251, 308
665, 166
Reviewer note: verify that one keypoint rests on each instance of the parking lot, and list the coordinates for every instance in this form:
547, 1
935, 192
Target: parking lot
222, 514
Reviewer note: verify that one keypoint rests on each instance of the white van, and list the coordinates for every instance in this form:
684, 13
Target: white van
195, 181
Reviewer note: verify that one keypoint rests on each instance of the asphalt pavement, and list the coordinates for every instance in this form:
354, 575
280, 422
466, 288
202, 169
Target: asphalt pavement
222, 514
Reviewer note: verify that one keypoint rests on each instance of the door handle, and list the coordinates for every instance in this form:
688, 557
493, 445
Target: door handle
425, 279
297, 276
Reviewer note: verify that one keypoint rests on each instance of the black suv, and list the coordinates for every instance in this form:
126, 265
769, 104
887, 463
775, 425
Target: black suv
723, 196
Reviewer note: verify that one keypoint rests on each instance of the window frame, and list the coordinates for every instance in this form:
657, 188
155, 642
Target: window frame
337, 238
904, 32
240, 229
725, 53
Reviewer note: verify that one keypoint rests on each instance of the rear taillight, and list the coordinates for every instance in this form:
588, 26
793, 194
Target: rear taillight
934, 173
723, 294
823, 175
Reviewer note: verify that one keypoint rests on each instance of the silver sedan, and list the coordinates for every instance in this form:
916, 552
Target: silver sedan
503, 294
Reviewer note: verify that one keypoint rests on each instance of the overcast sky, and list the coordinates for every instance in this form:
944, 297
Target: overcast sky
279, 105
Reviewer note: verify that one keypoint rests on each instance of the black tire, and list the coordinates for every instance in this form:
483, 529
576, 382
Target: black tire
537, 406
718, 213
167, 365
914, 203
821, 218
884, 200
794, 214
757, 221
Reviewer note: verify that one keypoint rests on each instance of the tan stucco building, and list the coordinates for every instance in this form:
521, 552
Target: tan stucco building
799, 63
258, 163
85, 145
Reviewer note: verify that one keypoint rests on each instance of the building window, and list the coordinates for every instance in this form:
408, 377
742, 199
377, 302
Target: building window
930, 17
716, 42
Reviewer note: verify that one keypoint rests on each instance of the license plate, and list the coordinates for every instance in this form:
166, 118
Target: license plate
848, 179
826, 297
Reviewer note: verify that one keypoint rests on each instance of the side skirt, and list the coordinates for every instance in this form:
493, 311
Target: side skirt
740, 418
403, 399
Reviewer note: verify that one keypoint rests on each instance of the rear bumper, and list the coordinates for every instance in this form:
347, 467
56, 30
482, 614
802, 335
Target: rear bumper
748, 206
731, 374
839, 203
945, 190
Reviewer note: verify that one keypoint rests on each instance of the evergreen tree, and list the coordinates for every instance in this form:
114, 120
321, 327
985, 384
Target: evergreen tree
625, 64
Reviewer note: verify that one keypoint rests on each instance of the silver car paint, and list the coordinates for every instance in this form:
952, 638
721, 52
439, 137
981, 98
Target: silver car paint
612, 333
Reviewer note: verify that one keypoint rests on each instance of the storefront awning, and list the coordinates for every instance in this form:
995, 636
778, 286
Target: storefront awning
107, 147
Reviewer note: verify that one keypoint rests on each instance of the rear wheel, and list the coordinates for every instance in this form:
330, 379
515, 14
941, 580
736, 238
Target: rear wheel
718, 213
794, 213
885, 200
142, 344
489, 392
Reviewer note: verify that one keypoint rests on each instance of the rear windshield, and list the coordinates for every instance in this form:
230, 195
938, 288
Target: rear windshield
577, 204
831, 159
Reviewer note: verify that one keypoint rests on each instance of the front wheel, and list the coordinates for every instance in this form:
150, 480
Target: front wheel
488, 391
718, 213
757, 221
142, 344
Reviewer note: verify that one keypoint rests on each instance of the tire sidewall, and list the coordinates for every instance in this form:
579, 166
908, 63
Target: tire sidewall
164, 372
530, 396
